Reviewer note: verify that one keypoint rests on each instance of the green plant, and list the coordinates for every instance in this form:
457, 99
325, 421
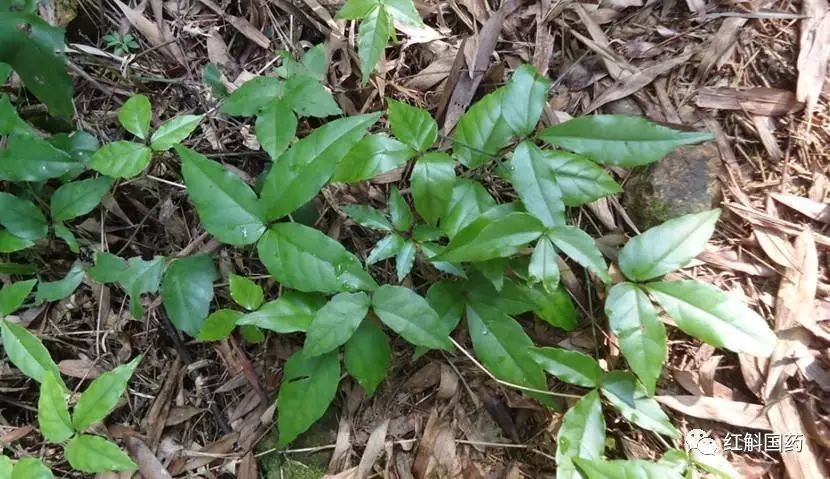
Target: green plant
84, 452
121, 44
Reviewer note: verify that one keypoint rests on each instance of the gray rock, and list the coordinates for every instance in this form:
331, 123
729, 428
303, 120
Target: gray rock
685, 181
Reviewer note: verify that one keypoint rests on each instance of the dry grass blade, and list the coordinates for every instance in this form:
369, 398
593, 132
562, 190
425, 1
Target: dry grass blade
813, 209
151, 31
734, 413
148, 465
243, 26
756, 101
637, 81
374, 447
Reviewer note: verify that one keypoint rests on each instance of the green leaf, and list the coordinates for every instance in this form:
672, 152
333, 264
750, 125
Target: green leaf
26, 352
494, 270
335, 323
492, 235
582, 435
432, 250
275, 127
29, 158
13, 295
229, 208
633, 468
432, 182
251, 334
399, 210
581, 248
62, 288
308, 97
579, 180
79, 145
502, 346
356, 9
405, 259
135, 115
10, 243
412, 125
22, 218
252, 96
52, 411
543, 267
715, 464
219, 325
675, 459
6, 465
29, 45
705, 312
62, 232
533, 179
173, 131
308, 387
10, 121
632, 401
571, 367
667, 247
481, 131
245, 292
78, 198
468, 201
642, 337
375, 30
102, 395
426, 233
373, 155
619, 140
411, 316
315, 61
368, 217
524, 98
301, 171
94, 454
368, 355
386, 248
447, 299
554, 307
293, 311
187, 291
141, 277
121, 159
304, 258
31, 468
403, 11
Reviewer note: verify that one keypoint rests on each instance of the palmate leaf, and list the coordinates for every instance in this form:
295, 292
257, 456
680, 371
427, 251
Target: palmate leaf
301, 171
481, 131
581, 435
373, 155
432, 180
275, 127
581, 248
619, 139
468, 201
368, 355
642, 337
335, 323
304, 258
308, 387
667, 247
705, 312
374, 31
228, 208
534, 181
623, 391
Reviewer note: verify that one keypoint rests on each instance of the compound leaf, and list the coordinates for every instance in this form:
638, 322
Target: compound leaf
581, 248
468, 201
411, 316
533, 179
52, 410
524, 98
493, 235
580, 180
571, 367
121, 159
308, 387
335, 323
78, 198
135, 115
412, 125
102, 395
275, 127
187, 290
245, 292
481, 131
368, 355
375, 154
93, 454
432, 180
581, 435
26, 352
632, 401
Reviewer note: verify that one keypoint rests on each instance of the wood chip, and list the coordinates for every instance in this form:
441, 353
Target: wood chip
756, 101
734, 413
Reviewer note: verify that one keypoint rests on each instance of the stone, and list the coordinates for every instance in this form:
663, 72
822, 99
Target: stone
684, 182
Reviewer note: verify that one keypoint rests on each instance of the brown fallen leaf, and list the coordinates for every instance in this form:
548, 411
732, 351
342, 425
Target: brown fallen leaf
436, 451
240, 24
205, 455
148, 464
775, 245
813, 209
757, 101
150, 31
784, 419
814, 50
720, 44
734, 413
374, 447
247, 468
83, 368
637, 81
342, 445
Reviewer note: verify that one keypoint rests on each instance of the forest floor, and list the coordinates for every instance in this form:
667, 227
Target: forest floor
751, 72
